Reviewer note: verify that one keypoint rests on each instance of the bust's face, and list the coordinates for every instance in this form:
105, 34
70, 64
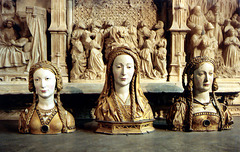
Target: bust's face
123, 70
44, 82
203, 77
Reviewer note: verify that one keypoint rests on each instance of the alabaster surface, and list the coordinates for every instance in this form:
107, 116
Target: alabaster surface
86, 31
23, 40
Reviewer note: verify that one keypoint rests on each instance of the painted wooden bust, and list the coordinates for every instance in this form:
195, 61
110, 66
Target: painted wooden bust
197, 109
46, 115
122, 105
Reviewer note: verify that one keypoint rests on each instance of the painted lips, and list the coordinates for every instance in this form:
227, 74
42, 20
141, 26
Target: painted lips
43, 91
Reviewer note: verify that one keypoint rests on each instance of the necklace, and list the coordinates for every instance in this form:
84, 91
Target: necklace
203, 104
46, 117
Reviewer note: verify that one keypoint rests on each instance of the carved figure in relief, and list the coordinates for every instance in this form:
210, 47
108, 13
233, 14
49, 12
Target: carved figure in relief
196, 18
107, 36
216, 18
122, 99
146, 54
12, 52
144, 33
179, 12
232, 50
195, 41
235, 20
132, 31
93, 41
196, 109
118, 36
160, 51
46, 115
209, 43
79, 59
227, 26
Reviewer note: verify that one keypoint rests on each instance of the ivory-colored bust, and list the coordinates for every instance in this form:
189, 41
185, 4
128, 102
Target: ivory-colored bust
46, 115
197, 109
122, 100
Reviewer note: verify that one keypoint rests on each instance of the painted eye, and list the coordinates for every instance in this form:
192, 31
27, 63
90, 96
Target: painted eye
118, 66
47, 78
36, 79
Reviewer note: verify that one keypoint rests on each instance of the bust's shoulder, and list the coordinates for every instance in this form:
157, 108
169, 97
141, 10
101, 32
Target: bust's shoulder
70, 122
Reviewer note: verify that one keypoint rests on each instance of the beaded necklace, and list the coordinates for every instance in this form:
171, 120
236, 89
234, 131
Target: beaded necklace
46, 117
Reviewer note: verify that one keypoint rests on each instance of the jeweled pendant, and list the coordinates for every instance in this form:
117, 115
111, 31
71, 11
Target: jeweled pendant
44, 128
206, 123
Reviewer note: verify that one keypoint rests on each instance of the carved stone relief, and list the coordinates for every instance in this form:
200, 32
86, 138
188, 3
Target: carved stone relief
214, 33
123, 23
134, 21
22, 40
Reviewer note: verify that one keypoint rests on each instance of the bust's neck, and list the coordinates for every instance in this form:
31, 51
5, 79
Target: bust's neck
46, 103
202, 97
122, 91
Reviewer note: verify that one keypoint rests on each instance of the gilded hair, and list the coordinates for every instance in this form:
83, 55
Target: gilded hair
194, 64
111, 57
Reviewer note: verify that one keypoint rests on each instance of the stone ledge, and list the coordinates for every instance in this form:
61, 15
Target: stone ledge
90, 88
96, 88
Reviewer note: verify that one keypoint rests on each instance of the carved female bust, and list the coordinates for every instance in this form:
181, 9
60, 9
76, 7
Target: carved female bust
46, 115
197, 109
122, 102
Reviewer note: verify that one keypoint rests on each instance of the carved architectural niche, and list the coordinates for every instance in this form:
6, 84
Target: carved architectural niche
58, 30
178, 31
21, 45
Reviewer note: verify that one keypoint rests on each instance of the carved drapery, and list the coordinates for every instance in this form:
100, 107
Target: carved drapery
36, 20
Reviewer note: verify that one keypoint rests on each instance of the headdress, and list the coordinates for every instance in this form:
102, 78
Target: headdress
194, 64
209, 26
